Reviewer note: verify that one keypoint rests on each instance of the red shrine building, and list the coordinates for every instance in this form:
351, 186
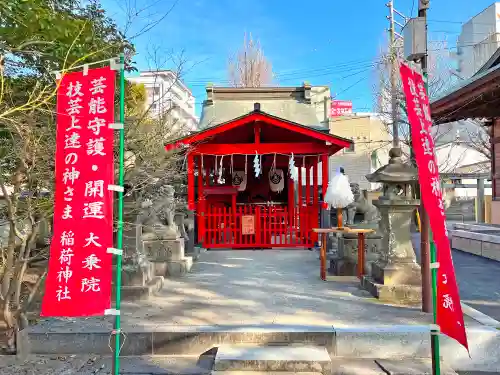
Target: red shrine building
245, 164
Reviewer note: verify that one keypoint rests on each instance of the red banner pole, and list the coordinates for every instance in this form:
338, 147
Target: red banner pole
119, 235
448, 311
436, 360
79, 277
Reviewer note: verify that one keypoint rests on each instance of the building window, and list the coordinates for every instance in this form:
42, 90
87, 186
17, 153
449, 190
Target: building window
156, 90
350, 148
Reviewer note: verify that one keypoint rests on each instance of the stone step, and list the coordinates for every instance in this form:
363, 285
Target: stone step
363, 342
273, 358
268, 373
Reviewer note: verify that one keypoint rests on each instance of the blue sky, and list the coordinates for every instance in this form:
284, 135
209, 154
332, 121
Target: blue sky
325, 42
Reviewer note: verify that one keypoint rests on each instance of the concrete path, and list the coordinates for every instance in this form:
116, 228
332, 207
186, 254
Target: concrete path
477, 278
270, 287
282, 289
245, 287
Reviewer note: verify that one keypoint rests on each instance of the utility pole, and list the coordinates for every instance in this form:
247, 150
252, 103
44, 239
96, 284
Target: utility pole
425, 251
424, 219
416, 49
394, 67
425, 254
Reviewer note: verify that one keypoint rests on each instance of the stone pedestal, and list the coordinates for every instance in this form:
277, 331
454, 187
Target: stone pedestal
345, 263
190, 231
138, 282
396, 277
168, 257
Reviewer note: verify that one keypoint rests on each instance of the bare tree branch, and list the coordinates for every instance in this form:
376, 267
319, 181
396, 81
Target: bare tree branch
249, 67
471, 133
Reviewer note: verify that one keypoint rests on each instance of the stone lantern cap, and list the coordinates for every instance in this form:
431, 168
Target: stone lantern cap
396, 172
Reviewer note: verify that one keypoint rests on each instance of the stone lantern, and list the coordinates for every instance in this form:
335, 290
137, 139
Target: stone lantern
396, 276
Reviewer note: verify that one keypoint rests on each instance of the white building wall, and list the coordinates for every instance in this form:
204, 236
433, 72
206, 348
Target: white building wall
166, 94
470, 192
451, 157
478, 40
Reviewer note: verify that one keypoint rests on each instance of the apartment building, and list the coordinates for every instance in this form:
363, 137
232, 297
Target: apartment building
168, 94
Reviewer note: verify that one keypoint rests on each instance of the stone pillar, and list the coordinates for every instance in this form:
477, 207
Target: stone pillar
396, 276
480, 201
191, 250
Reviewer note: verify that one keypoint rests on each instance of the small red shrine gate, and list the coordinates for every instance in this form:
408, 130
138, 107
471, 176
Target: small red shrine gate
235, 209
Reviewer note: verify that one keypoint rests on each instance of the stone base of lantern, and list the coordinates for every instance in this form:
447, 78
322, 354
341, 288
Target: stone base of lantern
398, 283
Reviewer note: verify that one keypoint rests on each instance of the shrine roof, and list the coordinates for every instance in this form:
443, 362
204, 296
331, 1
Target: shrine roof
289, 103
258, 115
476, 97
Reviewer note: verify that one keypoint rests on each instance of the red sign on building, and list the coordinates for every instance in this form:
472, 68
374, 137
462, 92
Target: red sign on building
340, 108
80, 268
449, 311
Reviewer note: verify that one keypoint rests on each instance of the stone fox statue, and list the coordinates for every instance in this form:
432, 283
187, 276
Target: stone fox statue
362, 205
157, 217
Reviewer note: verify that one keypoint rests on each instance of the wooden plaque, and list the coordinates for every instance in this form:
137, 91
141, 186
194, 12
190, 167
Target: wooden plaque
248, 224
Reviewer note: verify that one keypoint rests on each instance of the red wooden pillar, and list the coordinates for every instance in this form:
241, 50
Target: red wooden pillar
201, 203
233, 215
291, 205
315, 203
325, 212
190, 170
322, 256
361, 255
300, 224
308, 210
324, 174
299, 188
257, 226
308, 185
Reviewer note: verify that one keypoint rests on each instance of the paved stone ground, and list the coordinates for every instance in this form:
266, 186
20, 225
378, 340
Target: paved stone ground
86, 365
255, 287
477, 279
93, 365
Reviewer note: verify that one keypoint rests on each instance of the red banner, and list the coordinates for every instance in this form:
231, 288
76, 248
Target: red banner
80, 268
449, 311
340, 108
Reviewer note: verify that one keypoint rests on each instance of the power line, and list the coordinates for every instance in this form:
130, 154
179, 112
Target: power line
334, 69
462, 22
459, 32
356, 70
314, 72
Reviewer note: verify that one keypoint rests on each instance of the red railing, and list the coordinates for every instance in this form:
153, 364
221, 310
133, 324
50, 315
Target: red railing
274, 226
